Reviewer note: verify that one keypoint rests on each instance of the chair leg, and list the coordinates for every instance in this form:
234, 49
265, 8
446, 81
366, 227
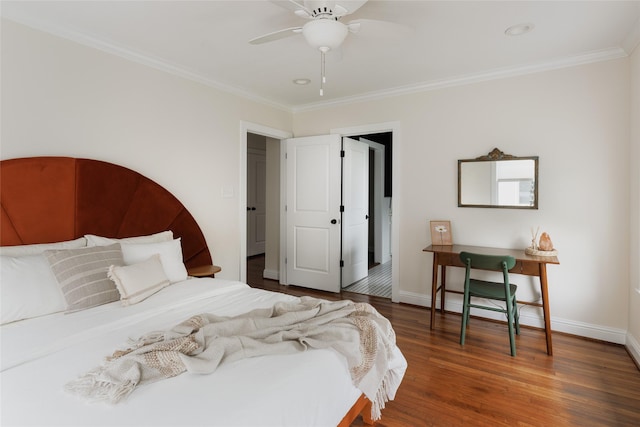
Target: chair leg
512, 339
465, 320
516, 314
511, 321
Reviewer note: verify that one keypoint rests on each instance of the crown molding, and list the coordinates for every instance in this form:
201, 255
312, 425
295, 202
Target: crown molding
632, 40
590, 57
145, 59
141, 58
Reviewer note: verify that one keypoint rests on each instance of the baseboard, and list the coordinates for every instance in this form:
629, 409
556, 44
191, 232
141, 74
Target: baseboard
530, 316
271, 274
633, 347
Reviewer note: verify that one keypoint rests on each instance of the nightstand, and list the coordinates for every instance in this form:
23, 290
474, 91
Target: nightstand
204, 271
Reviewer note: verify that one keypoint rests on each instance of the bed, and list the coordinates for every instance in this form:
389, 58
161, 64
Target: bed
54, 207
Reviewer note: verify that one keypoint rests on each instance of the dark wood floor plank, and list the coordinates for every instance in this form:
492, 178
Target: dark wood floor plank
585, 382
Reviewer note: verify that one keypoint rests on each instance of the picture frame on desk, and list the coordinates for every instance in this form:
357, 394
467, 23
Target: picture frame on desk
441, 233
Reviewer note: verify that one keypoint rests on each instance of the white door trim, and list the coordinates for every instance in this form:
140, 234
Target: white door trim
258, 129
393, 127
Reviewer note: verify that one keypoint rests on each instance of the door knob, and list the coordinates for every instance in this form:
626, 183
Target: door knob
334, 221
253, 208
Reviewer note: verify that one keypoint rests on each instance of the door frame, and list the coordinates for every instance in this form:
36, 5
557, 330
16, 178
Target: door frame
394, 128
246, 127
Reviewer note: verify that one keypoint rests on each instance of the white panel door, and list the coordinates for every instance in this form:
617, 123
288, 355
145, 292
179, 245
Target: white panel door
256, 201
355, 198
313, 212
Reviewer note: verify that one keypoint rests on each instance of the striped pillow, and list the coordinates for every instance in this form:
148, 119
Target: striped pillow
82, 275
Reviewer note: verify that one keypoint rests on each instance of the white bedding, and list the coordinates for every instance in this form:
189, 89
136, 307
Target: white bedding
39, 356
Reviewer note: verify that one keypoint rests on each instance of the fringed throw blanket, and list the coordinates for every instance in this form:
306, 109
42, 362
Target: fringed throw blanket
203, 342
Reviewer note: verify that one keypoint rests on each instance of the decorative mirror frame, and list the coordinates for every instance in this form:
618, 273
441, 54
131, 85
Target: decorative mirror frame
495, 156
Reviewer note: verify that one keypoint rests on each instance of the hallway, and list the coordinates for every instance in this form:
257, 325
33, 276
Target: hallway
378, 282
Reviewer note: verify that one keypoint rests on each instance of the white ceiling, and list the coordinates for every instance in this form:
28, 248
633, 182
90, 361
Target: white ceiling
430, 43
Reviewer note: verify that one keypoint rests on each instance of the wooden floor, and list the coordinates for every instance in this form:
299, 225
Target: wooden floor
585, 383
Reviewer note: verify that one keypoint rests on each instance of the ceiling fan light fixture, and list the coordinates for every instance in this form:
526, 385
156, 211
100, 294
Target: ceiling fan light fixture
324, 34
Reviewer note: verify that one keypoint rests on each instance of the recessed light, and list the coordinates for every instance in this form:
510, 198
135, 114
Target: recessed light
302, 82
518, 30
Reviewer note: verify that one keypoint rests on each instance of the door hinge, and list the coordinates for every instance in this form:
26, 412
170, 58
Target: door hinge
341, 208
341, 263
341, 153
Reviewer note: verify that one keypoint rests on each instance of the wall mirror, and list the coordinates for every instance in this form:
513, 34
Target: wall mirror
498, 180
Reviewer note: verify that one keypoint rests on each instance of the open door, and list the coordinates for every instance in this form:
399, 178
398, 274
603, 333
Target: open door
326, 211
256, 201
313, 212
355, 218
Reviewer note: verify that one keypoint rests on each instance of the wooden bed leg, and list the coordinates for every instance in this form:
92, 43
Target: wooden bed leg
361, 407
366, 414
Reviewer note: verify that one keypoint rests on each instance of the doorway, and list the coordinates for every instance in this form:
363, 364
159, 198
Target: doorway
246, 127
269, 261
256, 194
379, 278
262, 206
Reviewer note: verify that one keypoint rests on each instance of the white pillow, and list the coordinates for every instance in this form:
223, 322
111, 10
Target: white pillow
139, 281
28, 288
170, 256
163, 236
24, 250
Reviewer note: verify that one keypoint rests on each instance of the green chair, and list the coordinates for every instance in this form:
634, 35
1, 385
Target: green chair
501, 291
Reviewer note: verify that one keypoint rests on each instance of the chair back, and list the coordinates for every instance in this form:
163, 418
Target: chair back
504, 291
487, 262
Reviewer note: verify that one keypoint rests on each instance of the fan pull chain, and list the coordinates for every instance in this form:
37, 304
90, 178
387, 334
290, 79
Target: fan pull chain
323, 78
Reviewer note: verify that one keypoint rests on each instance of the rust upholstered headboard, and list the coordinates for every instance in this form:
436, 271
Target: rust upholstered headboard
53, 199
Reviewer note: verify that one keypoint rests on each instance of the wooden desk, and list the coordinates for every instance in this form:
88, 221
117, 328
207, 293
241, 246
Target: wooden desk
528, 265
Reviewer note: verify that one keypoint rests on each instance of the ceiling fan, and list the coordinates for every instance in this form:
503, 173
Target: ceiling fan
323, 31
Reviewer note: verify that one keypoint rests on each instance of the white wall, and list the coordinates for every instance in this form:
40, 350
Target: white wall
64, 99
577, 121
633, 336
61, 98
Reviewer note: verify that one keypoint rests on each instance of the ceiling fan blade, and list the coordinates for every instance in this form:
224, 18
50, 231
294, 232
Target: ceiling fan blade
306, 8
276, 35
302, 13
354, 26
298, 5
378, 27
347, 7
294, 6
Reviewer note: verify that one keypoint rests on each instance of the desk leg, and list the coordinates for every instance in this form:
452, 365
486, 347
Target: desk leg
443, 291
434, 289
545, 306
